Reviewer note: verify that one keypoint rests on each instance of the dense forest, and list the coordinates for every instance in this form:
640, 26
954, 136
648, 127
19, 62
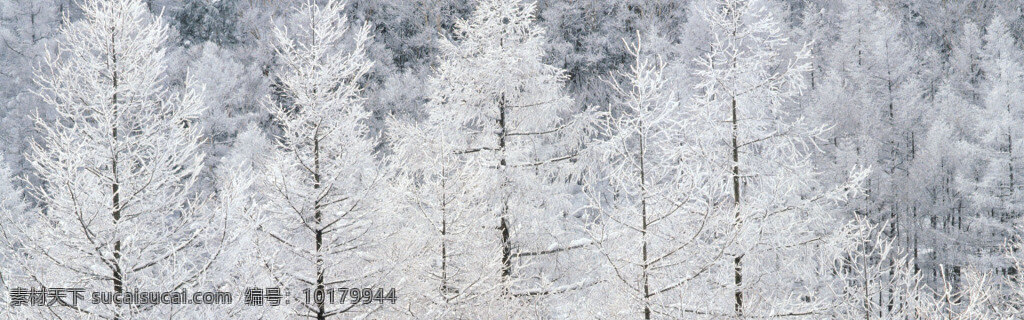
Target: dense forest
507, 159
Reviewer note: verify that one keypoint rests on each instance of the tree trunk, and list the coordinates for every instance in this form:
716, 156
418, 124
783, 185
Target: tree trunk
738, 260
644, 276
321, 312
503, 226
115, 188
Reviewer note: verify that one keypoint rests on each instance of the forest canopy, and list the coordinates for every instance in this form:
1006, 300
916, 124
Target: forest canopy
507, 159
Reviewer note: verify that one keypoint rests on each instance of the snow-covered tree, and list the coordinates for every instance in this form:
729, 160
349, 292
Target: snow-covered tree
659, 232
778, 208
505, 111
447, 253
115, 169
998, 191
319, 187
